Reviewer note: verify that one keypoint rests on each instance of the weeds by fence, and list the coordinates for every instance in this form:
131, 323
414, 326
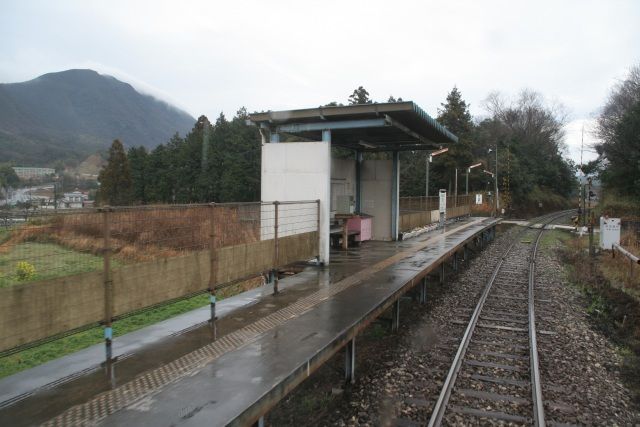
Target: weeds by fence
83, 267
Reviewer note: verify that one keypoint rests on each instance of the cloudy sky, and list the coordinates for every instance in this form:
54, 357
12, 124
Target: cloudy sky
213, 56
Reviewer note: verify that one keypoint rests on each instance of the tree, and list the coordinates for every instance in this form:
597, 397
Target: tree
139, 165
240, 176
392, 99
618, 129
359, 96
529, 134
115, 178
455, 116
622, 171
8, 178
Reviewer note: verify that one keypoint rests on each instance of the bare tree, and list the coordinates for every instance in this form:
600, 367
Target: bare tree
621, 99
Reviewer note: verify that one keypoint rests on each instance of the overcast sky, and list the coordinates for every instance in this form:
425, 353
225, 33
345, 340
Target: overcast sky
213, 56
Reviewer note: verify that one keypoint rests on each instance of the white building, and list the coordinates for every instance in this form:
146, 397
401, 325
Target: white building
30, 172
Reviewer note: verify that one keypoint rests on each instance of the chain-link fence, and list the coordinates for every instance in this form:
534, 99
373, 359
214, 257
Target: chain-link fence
61, 270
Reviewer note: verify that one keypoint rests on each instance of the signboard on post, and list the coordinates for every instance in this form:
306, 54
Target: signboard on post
609, 232
478, 199
442, 206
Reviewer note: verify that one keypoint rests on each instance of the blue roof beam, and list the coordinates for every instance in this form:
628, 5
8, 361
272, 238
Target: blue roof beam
344, 124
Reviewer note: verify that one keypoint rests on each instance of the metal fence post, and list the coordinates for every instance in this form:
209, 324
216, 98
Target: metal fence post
275, 251
108, 283
213, 267
318, 226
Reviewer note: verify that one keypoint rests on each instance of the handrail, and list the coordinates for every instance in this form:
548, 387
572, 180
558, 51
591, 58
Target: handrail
616, 247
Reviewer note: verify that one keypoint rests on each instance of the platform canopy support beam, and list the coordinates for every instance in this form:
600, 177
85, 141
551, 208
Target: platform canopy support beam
350, 362
395, 196
395, 316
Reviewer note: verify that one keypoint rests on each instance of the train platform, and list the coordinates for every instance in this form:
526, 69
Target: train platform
264, 346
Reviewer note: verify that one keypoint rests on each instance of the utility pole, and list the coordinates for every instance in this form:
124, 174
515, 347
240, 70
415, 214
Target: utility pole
455, 201
591, 247
496, 181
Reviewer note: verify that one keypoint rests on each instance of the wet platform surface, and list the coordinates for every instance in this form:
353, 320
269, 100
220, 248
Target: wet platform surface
262, 349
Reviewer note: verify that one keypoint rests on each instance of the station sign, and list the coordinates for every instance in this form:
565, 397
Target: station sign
443, 201
609, 232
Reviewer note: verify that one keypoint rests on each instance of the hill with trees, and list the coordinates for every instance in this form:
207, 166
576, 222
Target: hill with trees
72, 114
220, 162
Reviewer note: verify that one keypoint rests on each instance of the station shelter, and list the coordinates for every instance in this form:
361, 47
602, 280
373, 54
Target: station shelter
352, 185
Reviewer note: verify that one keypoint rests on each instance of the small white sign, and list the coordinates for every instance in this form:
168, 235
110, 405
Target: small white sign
478, 199
609, 232
443, 201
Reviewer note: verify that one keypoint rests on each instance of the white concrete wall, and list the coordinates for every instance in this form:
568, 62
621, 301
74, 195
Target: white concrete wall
343, 179
376, 195
297, 171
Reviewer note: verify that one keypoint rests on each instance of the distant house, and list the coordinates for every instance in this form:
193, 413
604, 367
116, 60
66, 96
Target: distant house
74, 200
31, 173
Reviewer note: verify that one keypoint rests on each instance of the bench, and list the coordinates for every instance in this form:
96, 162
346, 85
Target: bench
338, 235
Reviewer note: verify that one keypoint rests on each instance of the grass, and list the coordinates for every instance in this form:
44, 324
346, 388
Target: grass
613, 309
49, 260
4, 234
38, 355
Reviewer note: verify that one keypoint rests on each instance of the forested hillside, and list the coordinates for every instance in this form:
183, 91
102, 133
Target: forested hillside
72, 114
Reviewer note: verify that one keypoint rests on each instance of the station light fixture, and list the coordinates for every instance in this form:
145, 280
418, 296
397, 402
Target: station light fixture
466, 188
429, 160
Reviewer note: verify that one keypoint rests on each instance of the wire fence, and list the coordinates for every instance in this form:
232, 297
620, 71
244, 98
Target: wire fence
423, 203
99, 264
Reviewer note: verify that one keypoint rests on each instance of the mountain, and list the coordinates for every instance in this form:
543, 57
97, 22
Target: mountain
72, 114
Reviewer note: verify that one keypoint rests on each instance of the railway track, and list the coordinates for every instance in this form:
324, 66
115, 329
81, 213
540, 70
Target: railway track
494, 376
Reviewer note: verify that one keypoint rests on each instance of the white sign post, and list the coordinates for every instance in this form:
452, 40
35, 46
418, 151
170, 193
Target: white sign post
609, 232
443, 207
478, 199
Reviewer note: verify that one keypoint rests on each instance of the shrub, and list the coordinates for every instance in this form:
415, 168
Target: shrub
25, 271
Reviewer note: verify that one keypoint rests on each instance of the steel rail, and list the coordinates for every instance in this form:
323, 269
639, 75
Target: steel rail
443, 399
536, 385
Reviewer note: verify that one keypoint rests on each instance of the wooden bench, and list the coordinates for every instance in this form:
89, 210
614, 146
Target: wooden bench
338, 237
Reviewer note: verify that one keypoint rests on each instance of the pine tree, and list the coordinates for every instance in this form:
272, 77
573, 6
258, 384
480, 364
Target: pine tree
139, 165
115, 178
455, 116
359, 96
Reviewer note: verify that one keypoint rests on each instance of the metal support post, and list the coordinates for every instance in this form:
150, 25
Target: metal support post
423, 291
466, 253
108, 287
359, 159
455, 261
427, 173
350, 361
395, 319
275, 252
395, 199
213, 267
466, 185
442, 273
455, 199
318, 227
260, 422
